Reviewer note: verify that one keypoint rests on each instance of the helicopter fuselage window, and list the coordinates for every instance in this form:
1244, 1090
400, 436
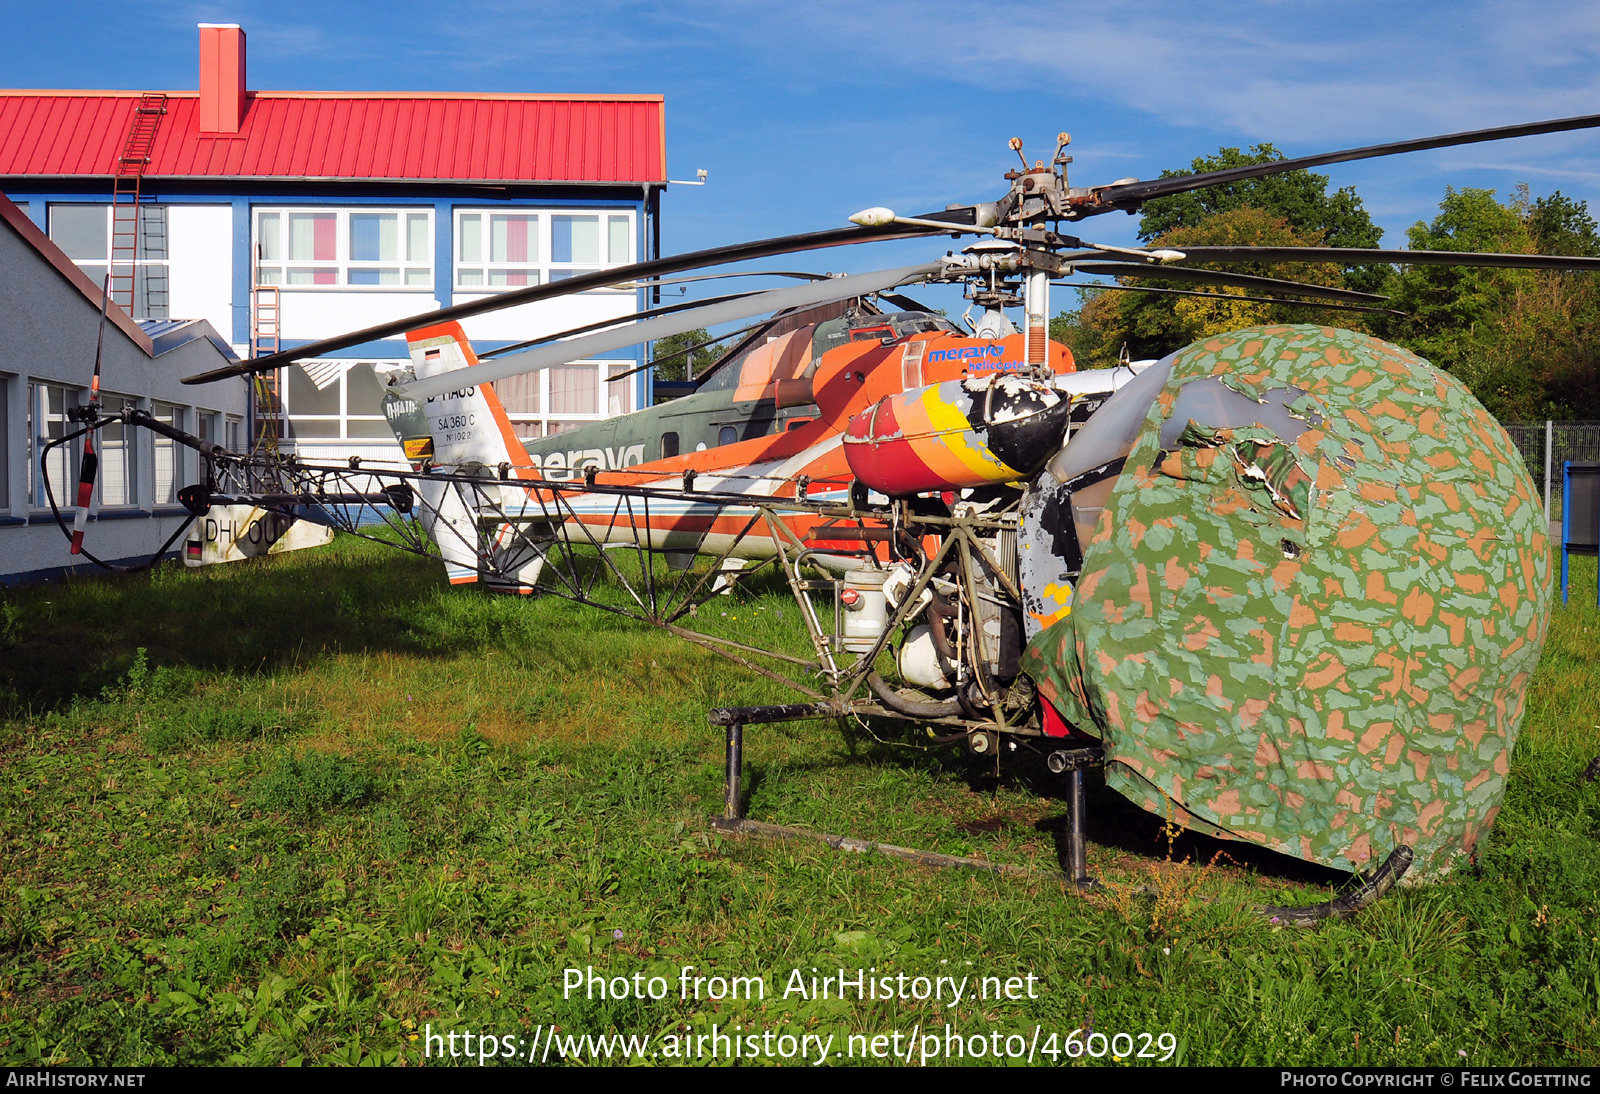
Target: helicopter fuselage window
669, 445
727, 435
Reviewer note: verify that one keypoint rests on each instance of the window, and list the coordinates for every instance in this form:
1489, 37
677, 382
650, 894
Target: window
169, 456
727, 435
505, 249
508, 257
333, 400
363, 248
84, 232
5, 443
363, 404
574, 389
47, 421
549, 401
233, 434
118, 468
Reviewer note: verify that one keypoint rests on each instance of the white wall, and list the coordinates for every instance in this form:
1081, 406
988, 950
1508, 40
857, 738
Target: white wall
200, 267
313, 313
546, 316
48, 335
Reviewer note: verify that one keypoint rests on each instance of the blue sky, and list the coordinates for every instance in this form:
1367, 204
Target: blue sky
806, 112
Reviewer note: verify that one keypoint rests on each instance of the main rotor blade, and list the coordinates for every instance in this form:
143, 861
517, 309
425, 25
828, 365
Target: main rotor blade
651, 283
1363, 256
631, 317
655, 267
1103, 199
1227, 296
577, 349
1167, 272
904, 303
687, 350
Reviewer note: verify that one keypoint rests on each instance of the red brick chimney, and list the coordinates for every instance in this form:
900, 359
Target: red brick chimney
221, 77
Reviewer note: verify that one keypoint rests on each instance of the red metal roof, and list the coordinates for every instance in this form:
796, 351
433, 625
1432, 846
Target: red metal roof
347, 135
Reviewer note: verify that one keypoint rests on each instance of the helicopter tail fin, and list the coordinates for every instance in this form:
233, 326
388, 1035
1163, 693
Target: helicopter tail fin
459, 429
466, 432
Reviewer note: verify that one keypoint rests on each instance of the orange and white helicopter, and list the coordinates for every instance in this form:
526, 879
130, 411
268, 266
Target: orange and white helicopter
928, 495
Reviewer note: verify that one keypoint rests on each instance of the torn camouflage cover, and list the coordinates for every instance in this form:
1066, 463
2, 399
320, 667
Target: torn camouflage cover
1314, 635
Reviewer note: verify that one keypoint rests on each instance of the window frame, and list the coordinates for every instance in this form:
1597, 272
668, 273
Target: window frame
342, 265
126, 446
376, 425
146, 269
66, 493
542, 264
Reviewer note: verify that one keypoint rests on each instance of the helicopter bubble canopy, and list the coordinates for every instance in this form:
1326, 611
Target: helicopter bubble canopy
1318, 643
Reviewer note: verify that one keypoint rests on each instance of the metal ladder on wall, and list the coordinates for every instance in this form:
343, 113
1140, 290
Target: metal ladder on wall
125, 214
267, 393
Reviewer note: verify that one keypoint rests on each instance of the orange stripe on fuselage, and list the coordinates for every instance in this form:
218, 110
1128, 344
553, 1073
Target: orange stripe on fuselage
846, 380
728, 459
516, 451
840, 396
800, 524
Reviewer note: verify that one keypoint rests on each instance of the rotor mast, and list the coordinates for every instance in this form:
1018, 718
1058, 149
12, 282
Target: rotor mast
1038, 194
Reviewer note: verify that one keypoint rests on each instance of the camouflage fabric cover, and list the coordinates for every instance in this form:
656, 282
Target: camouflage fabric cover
1321, 645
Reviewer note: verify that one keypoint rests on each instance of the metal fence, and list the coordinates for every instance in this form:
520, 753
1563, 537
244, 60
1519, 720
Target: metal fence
1545, 446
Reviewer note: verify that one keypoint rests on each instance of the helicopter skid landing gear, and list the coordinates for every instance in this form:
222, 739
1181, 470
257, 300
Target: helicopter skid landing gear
1072, 763
734, 822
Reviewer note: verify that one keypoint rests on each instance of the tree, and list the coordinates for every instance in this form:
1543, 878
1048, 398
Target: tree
676, 351
1153, 324
1559, 225
1294, 209
1527, 343
1447, 305
1300, 198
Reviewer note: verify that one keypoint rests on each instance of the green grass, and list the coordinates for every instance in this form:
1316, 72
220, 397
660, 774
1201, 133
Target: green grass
303, 809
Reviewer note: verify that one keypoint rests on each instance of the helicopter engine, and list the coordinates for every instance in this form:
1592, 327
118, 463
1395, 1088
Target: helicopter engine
950, 454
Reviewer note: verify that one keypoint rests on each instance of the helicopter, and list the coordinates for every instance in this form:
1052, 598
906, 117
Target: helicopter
1286, 585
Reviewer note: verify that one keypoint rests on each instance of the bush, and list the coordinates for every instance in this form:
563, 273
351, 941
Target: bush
304, 786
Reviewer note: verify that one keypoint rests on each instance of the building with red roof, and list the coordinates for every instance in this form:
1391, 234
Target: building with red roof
287, 216
52, 334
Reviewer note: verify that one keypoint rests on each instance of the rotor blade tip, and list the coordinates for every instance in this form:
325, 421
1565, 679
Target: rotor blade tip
875, 217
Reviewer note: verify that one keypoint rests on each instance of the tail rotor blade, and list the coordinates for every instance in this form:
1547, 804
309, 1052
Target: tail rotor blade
100, 344
87, 471
89, 467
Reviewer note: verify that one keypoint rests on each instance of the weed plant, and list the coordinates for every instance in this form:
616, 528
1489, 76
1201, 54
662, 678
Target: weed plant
312, 808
